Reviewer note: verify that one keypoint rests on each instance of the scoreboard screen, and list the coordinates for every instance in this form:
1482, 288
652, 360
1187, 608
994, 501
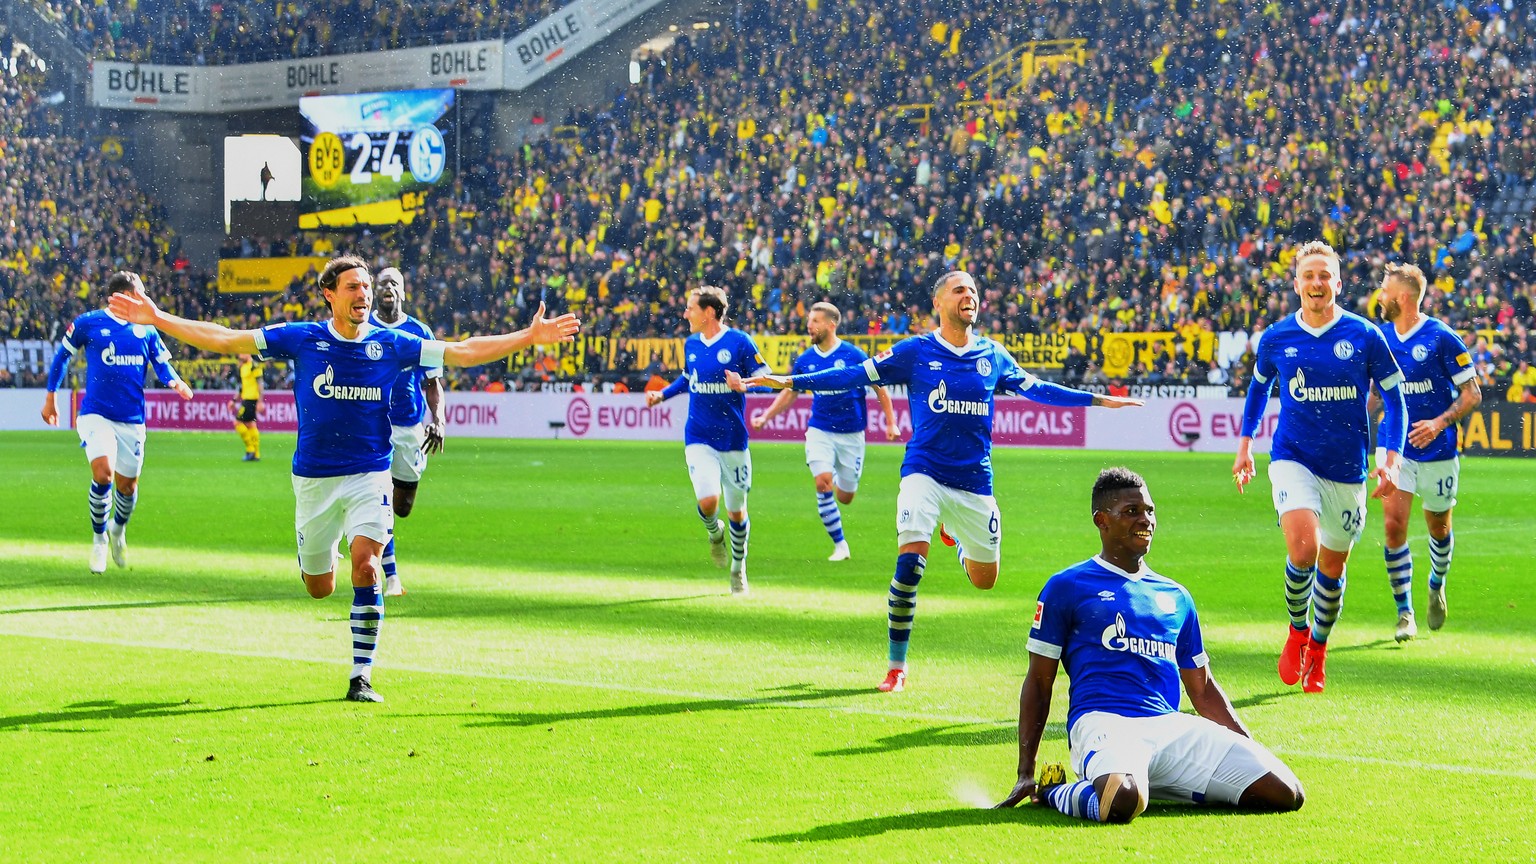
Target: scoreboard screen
371, 158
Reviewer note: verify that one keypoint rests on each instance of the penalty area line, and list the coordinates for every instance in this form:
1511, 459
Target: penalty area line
765, 701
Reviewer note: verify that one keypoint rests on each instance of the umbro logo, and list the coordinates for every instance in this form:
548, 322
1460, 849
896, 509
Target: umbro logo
1106, 595
106, 332
1290, 352
322, 345
935, 365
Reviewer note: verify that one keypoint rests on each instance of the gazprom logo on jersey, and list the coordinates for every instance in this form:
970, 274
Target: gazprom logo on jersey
939, 404
326, 388
1418, 388
110, 357
705, 387
1302, 393
1115, 639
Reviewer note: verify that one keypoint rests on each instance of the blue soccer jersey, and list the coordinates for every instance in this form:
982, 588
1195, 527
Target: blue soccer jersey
116, 356
1325, 377
342, 388
717, 415
1435, 364
1122, 637
407, 402
835, 412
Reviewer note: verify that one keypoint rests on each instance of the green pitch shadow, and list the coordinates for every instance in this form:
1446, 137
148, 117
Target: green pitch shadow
800, 695
111, 709
146, 604
952, 735
966, 817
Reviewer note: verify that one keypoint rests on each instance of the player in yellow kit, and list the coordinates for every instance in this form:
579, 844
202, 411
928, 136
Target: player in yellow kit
245, 407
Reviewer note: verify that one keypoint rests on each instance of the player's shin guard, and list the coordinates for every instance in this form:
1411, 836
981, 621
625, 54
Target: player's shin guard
1440, 558
389, 558
100, 506
901, 606
712, 525
1327, 601
122, 506
831, 517
1400, 575
739, 532
1078, 799
1298, 592
367, 616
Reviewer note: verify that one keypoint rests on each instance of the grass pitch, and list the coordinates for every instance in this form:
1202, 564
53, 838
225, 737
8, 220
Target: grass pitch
569, 679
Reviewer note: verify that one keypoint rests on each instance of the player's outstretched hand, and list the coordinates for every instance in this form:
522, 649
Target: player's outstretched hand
733, 381
772, 382
1117, 402
548, 331
653, 398
1242, 471
1023, 791
181, 389
50, 410
892, 428
435, 433
1386, 481
758, 421
1424, 432
134, 306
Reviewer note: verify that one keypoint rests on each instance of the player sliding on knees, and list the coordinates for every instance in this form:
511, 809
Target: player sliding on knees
834, 436
1326, 360
1128, 637
715, 436
345, 369
415, 414
952, 376
111, 421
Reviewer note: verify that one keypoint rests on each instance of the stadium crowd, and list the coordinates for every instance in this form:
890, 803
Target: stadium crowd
239, 31
1161, 185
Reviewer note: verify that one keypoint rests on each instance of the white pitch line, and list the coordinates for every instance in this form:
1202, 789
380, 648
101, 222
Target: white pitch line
1408, 764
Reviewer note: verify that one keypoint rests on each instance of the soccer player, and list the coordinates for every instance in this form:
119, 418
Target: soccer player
1439, 387
111, 421
1128, 637
1325, 360
345, 369
247, 406
952, 376
416, 420
834, 436
715, 436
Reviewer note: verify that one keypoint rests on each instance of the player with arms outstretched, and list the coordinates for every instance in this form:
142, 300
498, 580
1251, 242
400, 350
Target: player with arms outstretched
111, 421
715, 436
345, 369
952, 376
247, 406
415, 414
1440, 387
1325, 360
1128, 637
834, 436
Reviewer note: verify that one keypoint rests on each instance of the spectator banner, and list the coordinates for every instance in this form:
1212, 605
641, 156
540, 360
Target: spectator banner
265, 275
25, 355
1503, 429
213, 411
150, 87
1171, 425
21, 409
544, 47
279, 84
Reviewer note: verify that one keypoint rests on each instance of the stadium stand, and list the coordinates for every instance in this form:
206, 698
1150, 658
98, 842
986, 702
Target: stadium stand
1155, 175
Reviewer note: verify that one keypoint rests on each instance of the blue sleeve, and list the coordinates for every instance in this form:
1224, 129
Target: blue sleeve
1190, 651
59, 366
161, 359
677, 386
893, 365
1258, 391
1455, 359
407, 350
1384, 371
277, 341
1016, 380
1053, 620
832, 380
751, 361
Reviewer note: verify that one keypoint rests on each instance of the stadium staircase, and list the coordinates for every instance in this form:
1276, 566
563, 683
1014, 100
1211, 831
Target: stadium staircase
1008, 74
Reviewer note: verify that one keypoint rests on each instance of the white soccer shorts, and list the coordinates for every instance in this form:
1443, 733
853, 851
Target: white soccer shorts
1175, 757
409, 461
1435, 482
840, 454
330, 509
121, 443
972, 519
712, 469
1340, 507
